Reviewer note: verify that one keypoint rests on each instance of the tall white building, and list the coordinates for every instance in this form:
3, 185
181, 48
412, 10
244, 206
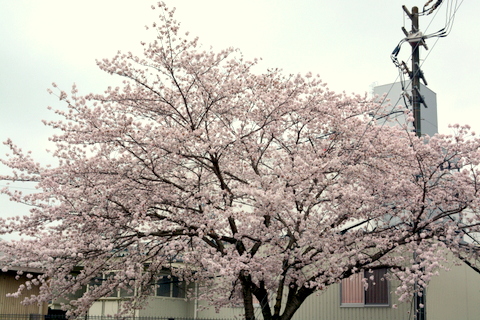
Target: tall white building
395, 96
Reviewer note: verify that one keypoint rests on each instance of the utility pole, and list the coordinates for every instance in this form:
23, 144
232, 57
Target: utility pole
415, 38
415, 77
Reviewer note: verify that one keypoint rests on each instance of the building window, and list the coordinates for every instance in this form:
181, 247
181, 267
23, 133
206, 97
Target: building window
115, 293
353, 293
170, 286
166, 286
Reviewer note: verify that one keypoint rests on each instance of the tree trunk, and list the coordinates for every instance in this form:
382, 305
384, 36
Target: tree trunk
294, 301
247, 299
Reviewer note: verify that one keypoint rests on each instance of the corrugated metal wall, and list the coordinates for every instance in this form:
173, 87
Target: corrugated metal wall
8, 284
454, 294
327, 306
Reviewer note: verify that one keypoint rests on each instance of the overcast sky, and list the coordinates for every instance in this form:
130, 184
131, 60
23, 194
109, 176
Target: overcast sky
347, 42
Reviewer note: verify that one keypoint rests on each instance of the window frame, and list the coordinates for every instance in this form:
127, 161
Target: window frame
117, 293
358, 277
175, 285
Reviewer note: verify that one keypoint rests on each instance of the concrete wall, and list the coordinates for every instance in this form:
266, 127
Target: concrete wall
168, 307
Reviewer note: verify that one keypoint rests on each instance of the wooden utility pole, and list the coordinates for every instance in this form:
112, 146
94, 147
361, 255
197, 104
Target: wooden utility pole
416, 76
415, 38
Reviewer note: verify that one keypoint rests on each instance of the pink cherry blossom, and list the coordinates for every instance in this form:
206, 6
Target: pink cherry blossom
255, 185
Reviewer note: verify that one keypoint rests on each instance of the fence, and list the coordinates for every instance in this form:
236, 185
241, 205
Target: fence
62, 317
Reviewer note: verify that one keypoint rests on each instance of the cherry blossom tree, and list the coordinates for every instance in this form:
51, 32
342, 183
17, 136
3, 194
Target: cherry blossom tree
265, 186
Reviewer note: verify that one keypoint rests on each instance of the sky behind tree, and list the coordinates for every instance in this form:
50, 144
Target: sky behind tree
347, 42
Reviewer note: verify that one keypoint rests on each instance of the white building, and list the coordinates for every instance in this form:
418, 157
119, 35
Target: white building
396, 96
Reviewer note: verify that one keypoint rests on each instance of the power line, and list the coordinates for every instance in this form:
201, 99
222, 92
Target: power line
417, 38
20, 188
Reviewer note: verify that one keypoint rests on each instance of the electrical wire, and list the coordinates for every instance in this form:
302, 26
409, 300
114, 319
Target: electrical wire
451, 11
434, 6
19, 188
